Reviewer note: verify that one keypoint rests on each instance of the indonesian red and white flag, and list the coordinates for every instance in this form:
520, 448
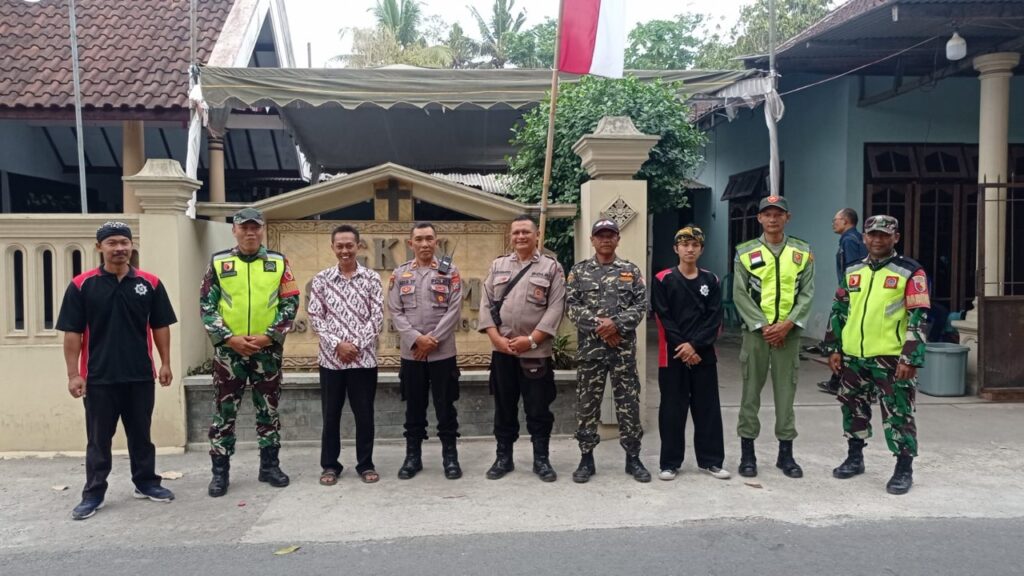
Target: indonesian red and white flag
592, 37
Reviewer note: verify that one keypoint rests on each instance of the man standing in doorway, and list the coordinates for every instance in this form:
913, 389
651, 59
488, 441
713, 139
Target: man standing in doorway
346, 310
607, 299
773, 290
520, 310
425, 301
248, 301
110, 316
851, 250
877, 346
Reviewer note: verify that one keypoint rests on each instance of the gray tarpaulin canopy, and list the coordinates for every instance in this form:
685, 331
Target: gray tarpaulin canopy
349, 119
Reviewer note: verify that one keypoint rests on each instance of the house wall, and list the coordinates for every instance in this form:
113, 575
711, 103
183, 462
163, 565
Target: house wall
821, 142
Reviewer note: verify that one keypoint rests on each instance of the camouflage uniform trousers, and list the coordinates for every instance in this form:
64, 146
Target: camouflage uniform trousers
867, 379
591, 376
231, 372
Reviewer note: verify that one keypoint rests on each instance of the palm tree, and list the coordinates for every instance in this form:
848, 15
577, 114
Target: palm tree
499, 31
463, 48
400, 17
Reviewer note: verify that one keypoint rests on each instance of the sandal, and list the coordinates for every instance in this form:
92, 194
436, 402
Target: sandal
328, 477
369, 476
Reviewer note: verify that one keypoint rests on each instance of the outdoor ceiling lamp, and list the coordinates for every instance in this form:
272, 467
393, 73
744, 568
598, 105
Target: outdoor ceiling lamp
956, 47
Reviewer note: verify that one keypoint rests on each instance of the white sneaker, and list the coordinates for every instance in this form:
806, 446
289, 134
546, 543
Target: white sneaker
668, 474
717, 472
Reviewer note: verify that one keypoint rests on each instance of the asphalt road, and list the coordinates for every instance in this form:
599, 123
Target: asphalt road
926, 547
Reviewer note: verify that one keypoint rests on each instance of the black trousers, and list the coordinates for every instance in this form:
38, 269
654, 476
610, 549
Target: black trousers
360, 384
420, 380
693, 390
132, 402
511, 382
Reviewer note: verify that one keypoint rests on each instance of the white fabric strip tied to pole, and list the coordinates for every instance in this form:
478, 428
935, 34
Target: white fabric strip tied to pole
774, 109
200, 117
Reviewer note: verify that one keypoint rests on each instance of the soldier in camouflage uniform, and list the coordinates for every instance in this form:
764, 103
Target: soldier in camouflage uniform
607, 299
876, 344
248, 302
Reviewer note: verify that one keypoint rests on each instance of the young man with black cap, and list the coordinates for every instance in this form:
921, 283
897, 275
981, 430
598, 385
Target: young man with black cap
607, 299
773, 289
248, 300
688, 303
110, 317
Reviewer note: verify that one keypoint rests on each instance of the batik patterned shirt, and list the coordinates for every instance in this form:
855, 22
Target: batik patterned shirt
346, 310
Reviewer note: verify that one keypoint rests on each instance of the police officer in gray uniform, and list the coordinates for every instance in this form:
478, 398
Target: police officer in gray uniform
425, 302
607, 300
520, 310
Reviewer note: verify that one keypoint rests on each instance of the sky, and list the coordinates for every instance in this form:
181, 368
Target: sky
318, 21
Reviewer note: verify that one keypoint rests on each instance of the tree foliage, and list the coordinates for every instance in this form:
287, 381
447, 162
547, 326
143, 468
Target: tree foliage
375, 47
664, 44
535, 47
749, 36
462, 48
654, 108
497, 32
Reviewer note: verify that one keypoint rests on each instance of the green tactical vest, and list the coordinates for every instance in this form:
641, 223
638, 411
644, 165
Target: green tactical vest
773, 279
877, 322
249, 291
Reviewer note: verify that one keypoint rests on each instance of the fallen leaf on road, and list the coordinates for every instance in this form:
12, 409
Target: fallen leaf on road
59, 488
286, 550
754, 484
240, 504
171, 475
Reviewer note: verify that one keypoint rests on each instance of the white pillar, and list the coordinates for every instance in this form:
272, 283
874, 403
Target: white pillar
995, 71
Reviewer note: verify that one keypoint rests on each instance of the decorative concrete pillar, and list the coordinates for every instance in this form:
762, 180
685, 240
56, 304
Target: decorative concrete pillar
215, 145
133, 157
995, 71
612, 155
162, 187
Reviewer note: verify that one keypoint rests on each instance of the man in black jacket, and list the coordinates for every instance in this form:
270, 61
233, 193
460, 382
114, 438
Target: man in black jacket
688, 304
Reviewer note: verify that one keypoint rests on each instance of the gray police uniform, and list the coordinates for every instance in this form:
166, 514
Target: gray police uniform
423, 301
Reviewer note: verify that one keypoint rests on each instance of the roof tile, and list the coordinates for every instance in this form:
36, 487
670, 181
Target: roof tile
132, 54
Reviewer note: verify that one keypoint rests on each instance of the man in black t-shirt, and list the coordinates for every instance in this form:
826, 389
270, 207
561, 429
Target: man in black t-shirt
688, 304
110, 317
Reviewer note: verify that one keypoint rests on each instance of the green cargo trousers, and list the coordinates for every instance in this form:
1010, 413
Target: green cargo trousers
756, 358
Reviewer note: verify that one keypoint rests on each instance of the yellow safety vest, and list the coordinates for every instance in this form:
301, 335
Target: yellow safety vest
249, 291
877, 322
773, 282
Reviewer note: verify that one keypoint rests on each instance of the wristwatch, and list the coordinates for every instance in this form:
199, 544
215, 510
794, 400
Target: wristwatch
533, 345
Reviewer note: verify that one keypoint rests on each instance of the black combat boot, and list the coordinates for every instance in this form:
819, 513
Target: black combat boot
541, 465
219, 483
854, 463
270, 467
450, 459
785, 461
502, 463
903, 477
413, 459
585, 470
636, 469
748, 461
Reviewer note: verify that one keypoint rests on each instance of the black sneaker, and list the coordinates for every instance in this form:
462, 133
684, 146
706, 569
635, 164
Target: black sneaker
827, 387
87, 508
154, 493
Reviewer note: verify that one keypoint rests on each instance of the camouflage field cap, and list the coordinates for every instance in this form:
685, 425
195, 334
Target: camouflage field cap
690, 233
882, 223
773, 202
604, 224
248, 215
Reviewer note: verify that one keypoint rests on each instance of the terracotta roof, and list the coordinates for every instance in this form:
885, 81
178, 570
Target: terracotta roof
133, 54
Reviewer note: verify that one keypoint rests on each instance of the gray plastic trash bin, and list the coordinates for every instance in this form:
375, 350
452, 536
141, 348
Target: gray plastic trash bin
945, 370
